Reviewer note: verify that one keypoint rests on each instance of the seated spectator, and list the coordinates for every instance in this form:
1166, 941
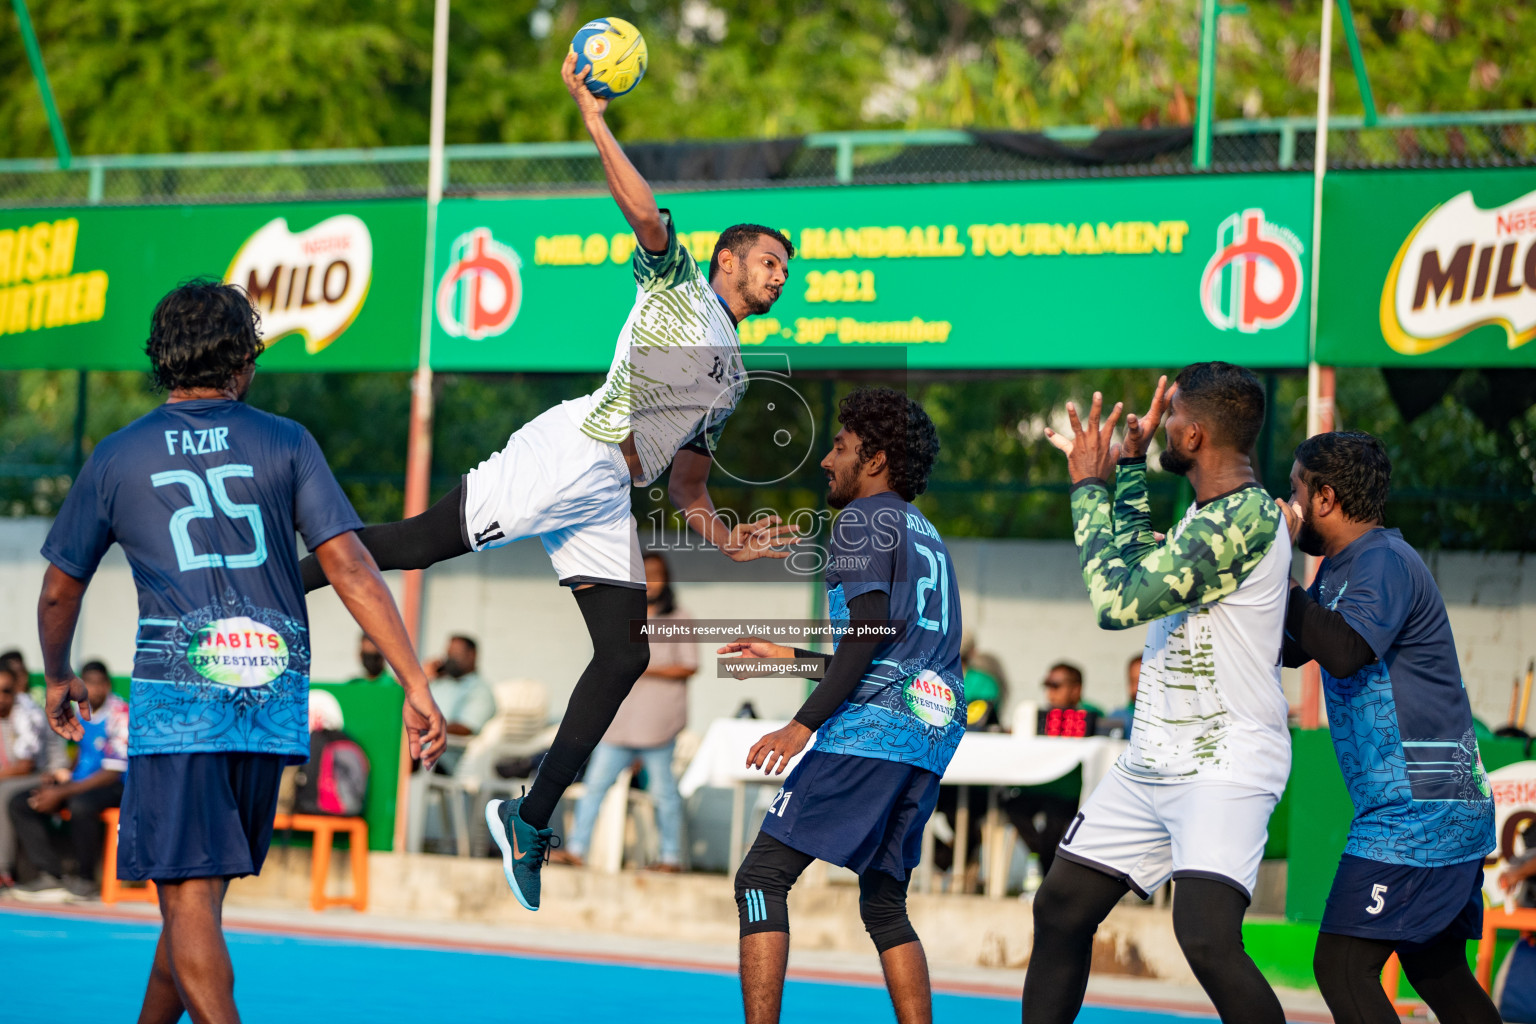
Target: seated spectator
12, 661
55, 755
466, 700
1119, 722
95, 784
372, 663
645, 729
985, 688
23, 737
1063, 687
1043, 813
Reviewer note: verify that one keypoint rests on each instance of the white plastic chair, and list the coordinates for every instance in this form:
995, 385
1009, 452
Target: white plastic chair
517, 730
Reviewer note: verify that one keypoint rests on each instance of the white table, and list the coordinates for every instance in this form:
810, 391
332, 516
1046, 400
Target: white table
982, 759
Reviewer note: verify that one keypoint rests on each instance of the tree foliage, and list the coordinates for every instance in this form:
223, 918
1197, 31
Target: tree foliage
133, 76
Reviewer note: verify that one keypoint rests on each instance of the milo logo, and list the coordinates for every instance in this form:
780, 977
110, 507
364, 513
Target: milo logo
930, 698
238, 652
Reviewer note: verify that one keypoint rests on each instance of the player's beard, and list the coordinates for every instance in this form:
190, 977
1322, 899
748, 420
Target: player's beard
841, 490
757, 302
1174, 461
1307, 538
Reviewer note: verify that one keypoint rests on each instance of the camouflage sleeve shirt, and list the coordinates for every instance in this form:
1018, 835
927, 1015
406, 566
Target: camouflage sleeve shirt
1134, 579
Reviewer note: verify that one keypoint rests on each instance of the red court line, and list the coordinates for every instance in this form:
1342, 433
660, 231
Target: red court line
866, 980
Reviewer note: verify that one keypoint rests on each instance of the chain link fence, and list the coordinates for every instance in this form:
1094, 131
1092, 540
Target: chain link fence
874, 157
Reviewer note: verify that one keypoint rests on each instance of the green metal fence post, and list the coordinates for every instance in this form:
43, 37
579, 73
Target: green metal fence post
1357, 58
35, 58
845, 160
1203, 113
1287, 145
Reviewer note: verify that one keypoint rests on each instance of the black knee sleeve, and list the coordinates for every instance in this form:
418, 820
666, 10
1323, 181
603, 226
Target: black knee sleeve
883, 906
763, 882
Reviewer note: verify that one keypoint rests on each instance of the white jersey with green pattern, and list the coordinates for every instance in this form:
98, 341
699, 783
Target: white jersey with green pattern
1209, 704
677, 373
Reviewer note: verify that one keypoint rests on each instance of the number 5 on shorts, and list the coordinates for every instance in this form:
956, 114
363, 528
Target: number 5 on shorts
1377, 892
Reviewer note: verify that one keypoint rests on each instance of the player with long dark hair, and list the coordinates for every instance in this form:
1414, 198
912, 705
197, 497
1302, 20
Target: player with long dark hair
204, 495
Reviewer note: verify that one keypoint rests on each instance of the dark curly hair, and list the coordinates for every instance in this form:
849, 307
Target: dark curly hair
739, 238
1356, 465
886, 420
202, 334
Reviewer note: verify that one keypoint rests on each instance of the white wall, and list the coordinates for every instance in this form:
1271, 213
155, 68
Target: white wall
1024, 600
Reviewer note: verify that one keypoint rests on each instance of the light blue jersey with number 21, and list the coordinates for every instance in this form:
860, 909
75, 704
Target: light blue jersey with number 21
910, 706
205, 498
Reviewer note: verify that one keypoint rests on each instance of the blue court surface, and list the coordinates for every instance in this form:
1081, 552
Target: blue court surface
74, 967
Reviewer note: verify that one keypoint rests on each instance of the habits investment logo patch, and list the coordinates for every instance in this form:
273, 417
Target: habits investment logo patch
1253, 281
482, 289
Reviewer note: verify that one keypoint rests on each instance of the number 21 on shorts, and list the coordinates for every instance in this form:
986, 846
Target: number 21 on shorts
1377, 904
780, 802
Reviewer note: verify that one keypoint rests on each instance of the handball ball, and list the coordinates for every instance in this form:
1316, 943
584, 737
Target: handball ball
615, 51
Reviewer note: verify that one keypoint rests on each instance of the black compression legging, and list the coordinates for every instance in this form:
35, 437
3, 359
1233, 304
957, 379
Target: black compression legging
1207, 921
617, 661
415, 543
1348, 971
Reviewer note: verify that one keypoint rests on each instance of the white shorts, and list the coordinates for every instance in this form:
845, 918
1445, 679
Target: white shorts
1148, 832
555, 483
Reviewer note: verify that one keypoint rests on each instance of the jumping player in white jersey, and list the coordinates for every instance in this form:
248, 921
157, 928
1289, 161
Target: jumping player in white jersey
565, 476
1209, 752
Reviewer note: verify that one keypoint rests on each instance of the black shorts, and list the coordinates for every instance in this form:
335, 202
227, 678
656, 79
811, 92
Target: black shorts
860, 812
203, 815
1403, 904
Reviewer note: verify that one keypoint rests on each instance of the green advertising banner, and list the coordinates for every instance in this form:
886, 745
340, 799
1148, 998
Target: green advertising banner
1018, 275
1428, 268
338, 284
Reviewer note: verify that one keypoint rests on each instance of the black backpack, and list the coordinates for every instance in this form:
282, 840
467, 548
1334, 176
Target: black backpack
335, 779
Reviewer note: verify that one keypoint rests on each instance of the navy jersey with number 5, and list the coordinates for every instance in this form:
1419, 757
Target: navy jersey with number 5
910, 705
205, 497
1402, 725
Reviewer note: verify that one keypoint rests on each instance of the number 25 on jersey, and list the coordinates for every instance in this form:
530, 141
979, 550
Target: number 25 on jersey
187, 559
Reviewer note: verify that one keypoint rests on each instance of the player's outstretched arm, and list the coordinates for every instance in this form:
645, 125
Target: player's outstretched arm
636, 200
356, 580
688, 489
849, 664
58, 612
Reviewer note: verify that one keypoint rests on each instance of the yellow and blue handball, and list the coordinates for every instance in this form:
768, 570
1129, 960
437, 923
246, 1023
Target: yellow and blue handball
615, 51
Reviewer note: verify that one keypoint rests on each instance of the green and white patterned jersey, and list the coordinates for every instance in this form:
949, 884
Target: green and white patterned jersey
1209, 704
677, 373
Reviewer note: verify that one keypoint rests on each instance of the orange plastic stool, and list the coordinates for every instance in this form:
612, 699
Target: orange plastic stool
1495, 919
325, 828
113, 891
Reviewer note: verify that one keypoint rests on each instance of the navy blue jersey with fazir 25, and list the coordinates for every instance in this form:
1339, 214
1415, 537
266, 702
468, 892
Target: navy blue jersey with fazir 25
910, 705
205, 497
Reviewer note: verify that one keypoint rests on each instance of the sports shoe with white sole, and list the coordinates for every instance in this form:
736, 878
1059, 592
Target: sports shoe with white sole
524, 849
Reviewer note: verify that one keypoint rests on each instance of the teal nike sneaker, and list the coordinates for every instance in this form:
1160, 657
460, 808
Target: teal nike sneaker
524, 849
